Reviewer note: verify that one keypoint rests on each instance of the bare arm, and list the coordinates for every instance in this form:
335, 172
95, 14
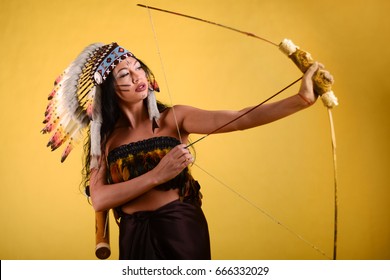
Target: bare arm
195, 120
106, 196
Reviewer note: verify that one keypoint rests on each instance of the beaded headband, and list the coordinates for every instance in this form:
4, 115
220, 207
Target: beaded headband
110, 61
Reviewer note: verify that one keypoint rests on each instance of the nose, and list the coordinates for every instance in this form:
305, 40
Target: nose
134, 77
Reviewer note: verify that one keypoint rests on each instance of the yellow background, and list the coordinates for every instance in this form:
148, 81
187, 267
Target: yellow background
284, 168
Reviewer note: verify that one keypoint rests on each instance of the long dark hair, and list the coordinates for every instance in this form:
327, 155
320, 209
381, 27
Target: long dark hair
110, 115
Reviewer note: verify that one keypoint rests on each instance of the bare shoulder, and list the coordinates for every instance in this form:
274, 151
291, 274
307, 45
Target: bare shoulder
178, 114
183, 110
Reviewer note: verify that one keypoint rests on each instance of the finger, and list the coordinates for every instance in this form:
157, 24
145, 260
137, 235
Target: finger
184, 154
310, 71
178, 151
182, 147
313, 68
188, 160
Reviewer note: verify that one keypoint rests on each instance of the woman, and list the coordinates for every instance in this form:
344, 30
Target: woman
142, 168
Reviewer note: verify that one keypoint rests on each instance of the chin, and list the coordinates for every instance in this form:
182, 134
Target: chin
144, 95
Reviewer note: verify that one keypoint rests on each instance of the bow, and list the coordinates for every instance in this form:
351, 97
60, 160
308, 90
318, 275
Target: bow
322, 85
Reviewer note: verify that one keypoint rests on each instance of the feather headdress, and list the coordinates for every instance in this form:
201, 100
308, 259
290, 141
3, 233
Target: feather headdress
75, 102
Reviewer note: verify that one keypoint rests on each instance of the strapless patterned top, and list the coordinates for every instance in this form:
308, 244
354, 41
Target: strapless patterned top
134, 159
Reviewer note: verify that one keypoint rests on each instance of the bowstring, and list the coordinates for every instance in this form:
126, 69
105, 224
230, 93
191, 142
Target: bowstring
164, 73
264, 212
271, 217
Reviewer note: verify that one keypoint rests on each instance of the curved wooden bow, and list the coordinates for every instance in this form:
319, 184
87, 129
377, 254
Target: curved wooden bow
233, 120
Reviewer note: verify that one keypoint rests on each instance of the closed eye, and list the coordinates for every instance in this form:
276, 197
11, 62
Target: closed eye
123, 74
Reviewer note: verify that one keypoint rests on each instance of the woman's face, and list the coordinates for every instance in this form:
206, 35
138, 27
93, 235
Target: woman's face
131, 83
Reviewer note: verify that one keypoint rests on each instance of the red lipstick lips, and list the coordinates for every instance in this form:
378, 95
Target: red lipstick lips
141, 87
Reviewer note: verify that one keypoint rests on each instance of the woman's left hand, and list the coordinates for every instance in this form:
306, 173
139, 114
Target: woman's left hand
306, 91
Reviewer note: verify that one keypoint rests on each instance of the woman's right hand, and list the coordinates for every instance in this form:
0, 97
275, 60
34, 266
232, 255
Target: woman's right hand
173, 163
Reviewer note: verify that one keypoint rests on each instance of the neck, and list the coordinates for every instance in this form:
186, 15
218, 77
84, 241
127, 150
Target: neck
133, 115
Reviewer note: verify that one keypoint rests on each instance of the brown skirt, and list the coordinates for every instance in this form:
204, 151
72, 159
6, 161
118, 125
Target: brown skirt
176, 231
